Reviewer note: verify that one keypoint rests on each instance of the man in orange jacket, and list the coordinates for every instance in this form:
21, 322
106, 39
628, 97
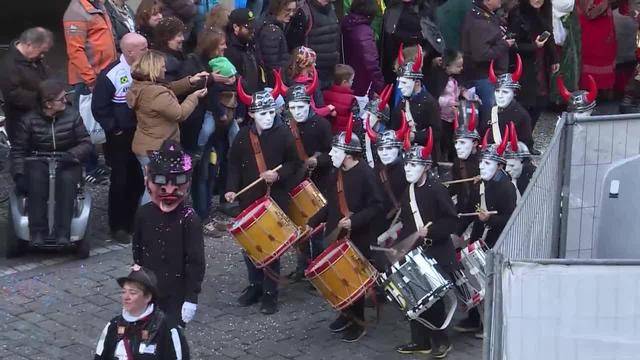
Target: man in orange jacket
90, 43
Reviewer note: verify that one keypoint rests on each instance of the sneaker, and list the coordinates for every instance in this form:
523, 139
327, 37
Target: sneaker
121, 237
353, 333
479, 334
269, 304
441, 351
412, 348
339, 324
250, 295
467, 325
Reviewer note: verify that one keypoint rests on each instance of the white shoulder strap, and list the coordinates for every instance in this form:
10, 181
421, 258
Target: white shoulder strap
483, 200
414, 207
368, 151
495, 126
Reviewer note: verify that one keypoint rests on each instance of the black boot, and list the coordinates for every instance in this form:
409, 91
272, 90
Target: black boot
250, 295
339, 324
353, 333
269, 304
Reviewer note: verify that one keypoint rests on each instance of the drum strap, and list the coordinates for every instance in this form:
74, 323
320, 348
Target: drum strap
342, 200
495, 126
257, 152
407, 111
384, 178
417, 218
483, 200
296, 135
368, 151
515, 184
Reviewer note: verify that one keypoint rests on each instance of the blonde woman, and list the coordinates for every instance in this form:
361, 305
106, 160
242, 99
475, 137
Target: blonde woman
158, 111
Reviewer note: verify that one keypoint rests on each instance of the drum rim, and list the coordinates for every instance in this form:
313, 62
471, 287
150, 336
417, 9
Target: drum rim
276, 254
312, 271
296, 190
265, 200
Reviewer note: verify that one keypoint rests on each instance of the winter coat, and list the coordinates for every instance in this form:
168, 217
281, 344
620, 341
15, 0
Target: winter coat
271, 45
426, 113
243, 57
278, 147
324, 39
449, 17
65, 132
435, 206
482, 41
171, 245
150, 336
298, 27
19, 81
89, 38
158, 112
364, 201
173, 61
109, 101
527, 172
500, 196
536, 63
361, 53
119, 22
190, 128
344, 101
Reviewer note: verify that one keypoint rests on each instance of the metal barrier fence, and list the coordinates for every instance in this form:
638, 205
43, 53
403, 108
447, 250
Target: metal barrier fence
562, 309
533, 231
596, 143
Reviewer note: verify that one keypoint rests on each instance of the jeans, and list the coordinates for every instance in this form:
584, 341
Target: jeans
67, 179
144, 161
208, 127
485, 89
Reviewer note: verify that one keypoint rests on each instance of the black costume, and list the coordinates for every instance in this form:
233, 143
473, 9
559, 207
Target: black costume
468, 193
425, 112
500, 196
527, 172
277, 146
315, 134
515, 113
149, 336
435, 206
364, 201
171, 245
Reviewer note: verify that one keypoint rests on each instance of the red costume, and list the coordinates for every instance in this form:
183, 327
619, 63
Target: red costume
598, 42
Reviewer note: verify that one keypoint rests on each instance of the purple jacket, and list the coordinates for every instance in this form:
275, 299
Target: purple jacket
360, 52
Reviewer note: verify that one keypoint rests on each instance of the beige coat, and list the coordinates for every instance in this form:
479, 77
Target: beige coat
158, 112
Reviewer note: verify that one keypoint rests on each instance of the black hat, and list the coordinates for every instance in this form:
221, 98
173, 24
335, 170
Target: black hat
242, 16
169, 159
142, 276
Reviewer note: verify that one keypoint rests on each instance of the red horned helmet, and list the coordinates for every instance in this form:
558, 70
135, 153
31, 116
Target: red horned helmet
507, 80
579, 100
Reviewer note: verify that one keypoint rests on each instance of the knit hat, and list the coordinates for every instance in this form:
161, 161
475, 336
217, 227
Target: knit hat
222, 66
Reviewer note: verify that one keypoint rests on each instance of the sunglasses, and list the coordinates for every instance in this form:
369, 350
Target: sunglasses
164, 179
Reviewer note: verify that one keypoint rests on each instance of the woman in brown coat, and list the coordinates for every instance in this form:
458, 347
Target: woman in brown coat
158, 111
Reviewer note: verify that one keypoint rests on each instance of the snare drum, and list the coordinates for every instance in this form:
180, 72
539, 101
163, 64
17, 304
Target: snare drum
471, 282
264, 231
341, 274
306, 201
414, 283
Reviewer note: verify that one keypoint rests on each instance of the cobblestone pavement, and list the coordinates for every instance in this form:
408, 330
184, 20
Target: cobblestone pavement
54, 307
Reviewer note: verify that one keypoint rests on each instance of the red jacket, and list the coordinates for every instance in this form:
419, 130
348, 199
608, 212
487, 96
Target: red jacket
343, 99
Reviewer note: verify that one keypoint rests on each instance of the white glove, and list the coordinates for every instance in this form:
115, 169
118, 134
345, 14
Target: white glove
188, 311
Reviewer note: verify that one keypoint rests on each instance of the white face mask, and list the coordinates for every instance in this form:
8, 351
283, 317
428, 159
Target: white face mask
264, 118
413, 172
514, 168
299, 110
464, 148
504, 97
488, 169
388, 154
337, 156
406, 86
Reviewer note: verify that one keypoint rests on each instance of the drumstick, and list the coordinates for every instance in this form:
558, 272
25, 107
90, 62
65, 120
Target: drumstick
379, 248
258, 180
459, 181
476, 213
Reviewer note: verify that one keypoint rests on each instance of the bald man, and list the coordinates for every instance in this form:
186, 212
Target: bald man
110, 109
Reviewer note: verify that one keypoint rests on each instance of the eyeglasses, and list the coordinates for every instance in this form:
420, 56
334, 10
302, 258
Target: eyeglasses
164, 179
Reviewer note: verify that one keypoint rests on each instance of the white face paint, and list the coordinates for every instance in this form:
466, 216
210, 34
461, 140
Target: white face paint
504, 97
264, 118
299, 110
488, 169
514, 168
388, 154
413, 172
406, 86
464, 148
337, 156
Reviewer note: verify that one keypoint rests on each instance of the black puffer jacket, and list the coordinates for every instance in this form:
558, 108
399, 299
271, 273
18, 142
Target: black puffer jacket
324, 39
39, 132
271, 44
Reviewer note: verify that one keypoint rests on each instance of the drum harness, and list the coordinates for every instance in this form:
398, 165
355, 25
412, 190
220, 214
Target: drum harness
384, 178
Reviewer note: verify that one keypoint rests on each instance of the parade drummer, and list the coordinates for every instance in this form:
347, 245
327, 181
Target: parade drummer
428, 201
519, 165
256, 150
167, 236
353, 201
142, 330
